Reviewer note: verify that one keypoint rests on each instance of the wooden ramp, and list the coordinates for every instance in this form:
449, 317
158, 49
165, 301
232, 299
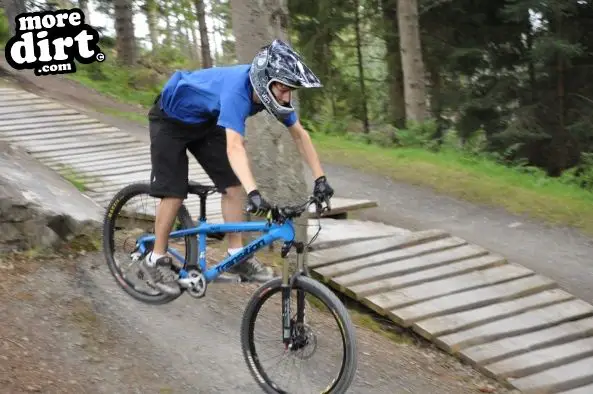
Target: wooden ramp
509, 322
101, 156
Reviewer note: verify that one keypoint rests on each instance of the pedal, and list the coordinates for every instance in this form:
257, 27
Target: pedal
195, 283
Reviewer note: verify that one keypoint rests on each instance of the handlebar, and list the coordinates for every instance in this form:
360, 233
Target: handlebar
280, 214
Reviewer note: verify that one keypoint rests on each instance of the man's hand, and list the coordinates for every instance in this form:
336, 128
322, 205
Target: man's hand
322, 190
256, 204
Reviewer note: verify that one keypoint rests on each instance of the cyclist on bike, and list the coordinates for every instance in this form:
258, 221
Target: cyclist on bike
204, 111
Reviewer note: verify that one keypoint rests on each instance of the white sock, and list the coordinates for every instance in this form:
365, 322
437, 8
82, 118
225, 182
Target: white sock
232, 251
153, 258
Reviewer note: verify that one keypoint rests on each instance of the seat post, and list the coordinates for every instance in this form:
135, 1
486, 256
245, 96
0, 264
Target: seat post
202, 207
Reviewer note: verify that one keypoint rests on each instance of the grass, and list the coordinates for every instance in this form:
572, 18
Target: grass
73, 177
477, 180
133, 116
114, 81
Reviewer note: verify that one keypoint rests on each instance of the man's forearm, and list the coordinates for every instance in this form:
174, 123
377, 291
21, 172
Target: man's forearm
240, 165
308, 152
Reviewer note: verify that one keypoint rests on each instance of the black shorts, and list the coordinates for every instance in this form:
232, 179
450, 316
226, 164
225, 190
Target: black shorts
169, 140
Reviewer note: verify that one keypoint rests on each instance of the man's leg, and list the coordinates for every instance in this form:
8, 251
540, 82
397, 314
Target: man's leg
165, 217
168, 181
232, 211
211, 154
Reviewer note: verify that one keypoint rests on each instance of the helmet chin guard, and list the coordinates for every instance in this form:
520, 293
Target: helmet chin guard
278, 62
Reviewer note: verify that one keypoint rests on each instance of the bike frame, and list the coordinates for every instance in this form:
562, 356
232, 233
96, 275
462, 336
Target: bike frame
272, 233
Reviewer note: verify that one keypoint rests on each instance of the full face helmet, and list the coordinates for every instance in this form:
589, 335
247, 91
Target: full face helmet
278, 62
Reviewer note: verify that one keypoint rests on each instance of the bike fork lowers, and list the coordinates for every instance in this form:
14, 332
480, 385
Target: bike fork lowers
287, 283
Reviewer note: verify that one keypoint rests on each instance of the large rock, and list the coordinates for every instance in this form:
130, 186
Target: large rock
39, 208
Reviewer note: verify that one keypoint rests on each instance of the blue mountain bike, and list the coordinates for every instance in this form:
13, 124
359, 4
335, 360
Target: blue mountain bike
291, 331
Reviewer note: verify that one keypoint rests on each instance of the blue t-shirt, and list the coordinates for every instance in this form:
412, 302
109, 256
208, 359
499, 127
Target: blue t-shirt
223, 93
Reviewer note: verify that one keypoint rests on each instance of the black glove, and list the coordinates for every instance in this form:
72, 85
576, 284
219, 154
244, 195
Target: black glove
256, 204
322, 190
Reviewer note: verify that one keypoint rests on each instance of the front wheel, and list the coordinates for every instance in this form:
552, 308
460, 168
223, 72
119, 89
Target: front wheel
334, 344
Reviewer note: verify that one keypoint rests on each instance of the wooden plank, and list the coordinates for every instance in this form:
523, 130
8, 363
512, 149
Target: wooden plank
78, 145
346, 231
540, 360
447, 324
568, 376
403, 251
587, 389
413, 264
341, 205
411, 295
81, 134
507, 347
45, 127
113, 163
29, 108
23, 101
41, 114
106, 134
89, 171
42, 121
471, 299
101, 156
22, 130
89, 150
118, 182
8, 91
516, 325
367, 248
452, 269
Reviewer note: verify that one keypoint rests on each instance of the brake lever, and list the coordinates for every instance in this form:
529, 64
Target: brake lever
328, 205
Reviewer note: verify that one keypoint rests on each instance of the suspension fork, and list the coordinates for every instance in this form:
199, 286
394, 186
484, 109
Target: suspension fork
287, 284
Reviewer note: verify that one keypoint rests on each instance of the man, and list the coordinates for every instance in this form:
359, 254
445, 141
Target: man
205, 111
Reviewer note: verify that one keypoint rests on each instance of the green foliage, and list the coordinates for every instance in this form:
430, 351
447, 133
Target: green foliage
581, 175
132, 85
4, 28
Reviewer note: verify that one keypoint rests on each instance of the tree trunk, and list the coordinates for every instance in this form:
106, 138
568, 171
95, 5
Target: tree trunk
195, 45
150, 8
124, 30
412, 63
84, 6
166, 4
277, 165
363, 97
436, 101
558, 160
205, 42
12, 8
395, 76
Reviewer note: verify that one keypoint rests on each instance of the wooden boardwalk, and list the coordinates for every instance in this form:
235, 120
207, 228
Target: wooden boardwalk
506, 320
103, 157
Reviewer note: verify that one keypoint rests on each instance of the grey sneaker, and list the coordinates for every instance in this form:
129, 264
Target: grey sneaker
252, 270
160, 275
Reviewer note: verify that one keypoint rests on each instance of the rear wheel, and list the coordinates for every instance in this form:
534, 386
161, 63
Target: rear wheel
122, 227
332, 376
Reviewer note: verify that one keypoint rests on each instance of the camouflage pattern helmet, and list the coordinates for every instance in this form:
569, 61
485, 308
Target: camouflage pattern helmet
278, 62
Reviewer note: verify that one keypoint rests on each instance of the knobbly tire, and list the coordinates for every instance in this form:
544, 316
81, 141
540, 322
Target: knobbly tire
111, 213
308, 285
